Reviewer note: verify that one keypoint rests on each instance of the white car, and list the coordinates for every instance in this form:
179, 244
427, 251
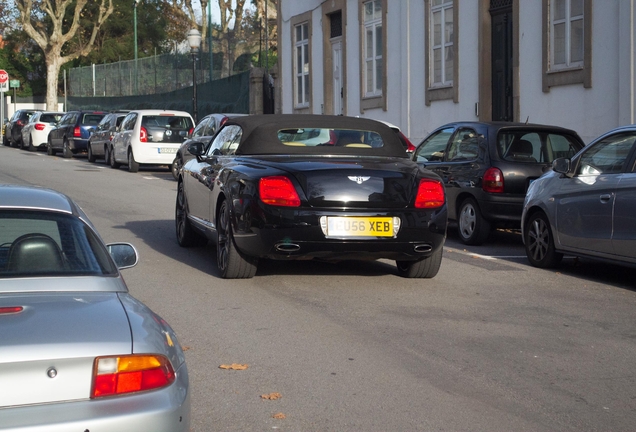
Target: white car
36, 132
149, 137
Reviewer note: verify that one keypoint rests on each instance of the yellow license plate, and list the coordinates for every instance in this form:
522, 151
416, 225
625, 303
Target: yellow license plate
359, 226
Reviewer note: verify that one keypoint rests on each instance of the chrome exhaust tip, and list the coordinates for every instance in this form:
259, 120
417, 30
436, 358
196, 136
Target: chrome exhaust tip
423, 248
287, 247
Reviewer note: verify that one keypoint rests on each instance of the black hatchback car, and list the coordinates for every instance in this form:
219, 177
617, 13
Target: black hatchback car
13, 128
71, 134
487, 168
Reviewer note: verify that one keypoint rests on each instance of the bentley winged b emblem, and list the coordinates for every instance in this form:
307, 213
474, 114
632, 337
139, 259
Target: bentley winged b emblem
359, 179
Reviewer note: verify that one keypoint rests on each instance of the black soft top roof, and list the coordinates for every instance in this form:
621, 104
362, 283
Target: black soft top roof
260, 135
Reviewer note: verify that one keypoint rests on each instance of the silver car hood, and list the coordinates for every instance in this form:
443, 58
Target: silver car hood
47, 350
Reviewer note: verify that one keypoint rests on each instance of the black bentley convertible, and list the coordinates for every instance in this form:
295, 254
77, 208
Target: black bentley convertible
291, 187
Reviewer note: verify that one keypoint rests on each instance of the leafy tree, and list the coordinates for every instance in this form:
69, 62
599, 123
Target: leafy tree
64, 30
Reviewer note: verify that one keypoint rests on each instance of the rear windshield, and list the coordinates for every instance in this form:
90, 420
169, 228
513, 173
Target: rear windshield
92, 119
536, 147
37, 243
50, 118
166, 122
312, 137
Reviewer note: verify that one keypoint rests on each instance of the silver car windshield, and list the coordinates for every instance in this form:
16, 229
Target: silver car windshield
40, 243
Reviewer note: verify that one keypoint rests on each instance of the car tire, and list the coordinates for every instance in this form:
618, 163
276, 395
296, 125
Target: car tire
111, 159
91, 157
66, 150
5, 141
49, 148
424, 268
231, 263
472, 228
176, 166
539, 242
133, 166
31, 147
20, 144
186, 235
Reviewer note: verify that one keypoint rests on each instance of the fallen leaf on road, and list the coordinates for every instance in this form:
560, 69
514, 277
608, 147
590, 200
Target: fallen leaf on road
272, 396
234, 366
185, 348
279, 416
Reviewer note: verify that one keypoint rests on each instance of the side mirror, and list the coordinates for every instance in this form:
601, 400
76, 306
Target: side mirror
196, 148
561, 165
124, 254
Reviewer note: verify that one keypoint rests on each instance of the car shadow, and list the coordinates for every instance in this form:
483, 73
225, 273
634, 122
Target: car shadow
160, 236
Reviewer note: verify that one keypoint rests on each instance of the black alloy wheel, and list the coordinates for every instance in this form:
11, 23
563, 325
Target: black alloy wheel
231, 263
186, 236
539, 242
424, 268
91, 157
176, 166
472, 228
66, 149
111, 159
133, 166
49, 148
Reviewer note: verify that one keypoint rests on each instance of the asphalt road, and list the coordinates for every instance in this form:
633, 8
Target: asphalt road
490, 344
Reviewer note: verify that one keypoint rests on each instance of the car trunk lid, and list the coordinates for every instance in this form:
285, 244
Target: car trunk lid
48, 348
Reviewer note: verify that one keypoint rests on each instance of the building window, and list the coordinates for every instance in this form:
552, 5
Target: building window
567, 43
301, 64
373, 48
566, 33
442, 55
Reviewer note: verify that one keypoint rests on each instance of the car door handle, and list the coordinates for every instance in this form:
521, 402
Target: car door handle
606, 197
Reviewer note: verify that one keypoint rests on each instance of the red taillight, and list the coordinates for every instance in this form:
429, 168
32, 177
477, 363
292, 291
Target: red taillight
493, 181
279, 191
77, 132
127, 374
10, 310
143, 135
430, 194
410, 148
20, 123
333, 137
39, 126
190, 131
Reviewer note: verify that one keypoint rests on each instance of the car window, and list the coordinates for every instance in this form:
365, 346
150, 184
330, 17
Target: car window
607, 156
464, 146
49, 118
432, 148
313, 137
227, 141
91, 119
129, 122
49, 244
201, 127
104, 124
66, 119
536, 147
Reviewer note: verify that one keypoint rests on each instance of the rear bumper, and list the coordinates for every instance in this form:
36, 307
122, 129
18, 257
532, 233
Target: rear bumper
78, 145
155, 153
165, 410
502, 209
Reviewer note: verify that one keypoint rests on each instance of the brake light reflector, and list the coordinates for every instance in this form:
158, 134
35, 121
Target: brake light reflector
77, 132
10, 310
39, 126
133, 373
430, 194
279, 191
493, 181
143, 134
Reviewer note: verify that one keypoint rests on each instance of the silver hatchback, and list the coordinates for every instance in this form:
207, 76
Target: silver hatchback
77, 351
586, 206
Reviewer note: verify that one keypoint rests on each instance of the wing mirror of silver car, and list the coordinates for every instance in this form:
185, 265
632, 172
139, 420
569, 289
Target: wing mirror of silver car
196, 148
561, 165
124, 254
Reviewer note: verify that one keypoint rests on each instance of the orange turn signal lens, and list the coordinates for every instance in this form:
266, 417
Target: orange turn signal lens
128, 374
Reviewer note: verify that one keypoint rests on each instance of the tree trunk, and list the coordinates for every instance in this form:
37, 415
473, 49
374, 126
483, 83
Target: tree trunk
52, 79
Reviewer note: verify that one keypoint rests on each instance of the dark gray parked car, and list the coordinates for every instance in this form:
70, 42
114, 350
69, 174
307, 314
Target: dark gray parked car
99, 142
487, 167
587, 205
